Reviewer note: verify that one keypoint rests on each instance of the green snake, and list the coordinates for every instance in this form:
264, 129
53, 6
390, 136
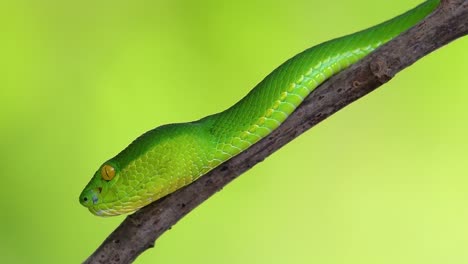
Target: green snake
171, 156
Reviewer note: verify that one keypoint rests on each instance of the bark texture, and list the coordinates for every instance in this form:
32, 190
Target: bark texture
139, 231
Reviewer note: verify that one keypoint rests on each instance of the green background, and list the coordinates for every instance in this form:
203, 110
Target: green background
382, 181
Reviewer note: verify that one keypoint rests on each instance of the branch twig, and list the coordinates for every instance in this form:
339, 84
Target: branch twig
139, 231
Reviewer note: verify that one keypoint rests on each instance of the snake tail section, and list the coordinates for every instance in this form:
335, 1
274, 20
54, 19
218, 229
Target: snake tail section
172, 156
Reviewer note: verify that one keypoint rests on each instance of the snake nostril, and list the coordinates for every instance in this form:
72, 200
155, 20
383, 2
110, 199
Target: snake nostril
85, 199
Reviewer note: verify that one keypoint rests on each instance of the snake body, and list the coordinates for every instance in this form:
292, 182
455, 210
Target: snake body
171, 156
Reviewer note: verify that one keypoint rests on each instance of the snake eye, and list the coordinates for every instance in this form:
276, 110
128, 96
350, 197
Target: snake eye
107, 172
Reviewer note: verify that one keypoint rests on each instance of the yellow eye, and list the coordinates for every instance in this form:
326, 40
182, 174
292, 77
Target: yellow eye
107, 172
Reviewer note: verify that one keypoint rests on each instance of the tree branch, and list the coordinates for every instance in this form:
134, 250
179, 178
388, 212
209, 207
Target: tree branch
139, 231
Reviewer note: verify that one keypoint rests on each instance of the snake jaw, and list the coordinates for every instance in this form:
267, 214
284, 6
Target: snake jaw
106, 210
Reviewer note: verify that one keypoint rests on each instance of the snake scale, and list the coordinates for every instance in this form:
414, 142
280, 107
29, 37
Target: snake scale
171, 156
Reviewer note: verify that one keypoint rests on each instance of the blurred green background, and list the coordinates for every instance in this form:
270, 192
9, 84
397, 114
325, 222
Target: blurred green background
382, 181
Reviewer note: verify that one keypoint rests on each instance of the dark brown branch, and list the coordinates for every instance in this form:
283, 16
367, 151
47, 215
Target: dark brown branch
139, 231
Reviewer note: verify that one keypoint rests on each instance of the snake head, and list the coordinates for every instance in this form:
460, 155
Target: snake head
112, 191
134, 178
154, 165
99, 195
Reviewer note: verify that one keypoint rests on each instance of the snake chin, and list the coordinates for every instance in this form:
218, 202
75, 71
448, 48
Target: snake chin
102, 212
105, 210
